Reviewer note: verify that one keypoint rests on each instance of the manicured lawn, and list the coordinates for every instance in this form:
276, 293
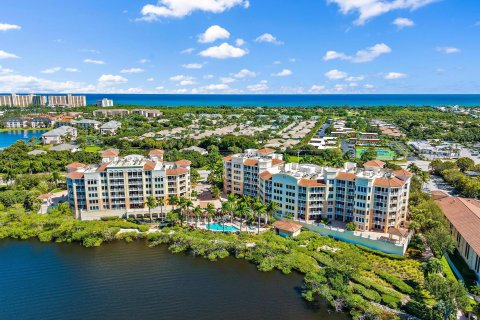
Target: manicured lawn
92, 149
468, 275
448, 271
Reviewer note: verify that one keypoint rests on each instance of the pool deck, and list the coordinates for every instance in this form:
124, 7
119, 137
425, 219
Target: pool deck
250, 229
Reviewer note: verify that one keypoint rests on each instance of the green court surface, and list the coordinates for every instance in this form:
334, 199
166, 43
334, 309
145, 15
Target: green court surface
383, 153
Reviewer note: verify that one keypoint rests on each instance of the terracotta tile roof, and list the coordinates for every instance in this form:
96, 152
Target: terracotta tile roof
388, 182
276, 162
346, 176
156, 152
75, 175
266, 150
437, 194
227, 158
265, 175
403, 172
310, 183
45, 196
149, 165
176, 172
74, 165
287, 225
250, 162
374, 163
103, 166
110, 153
464, 215
183, 162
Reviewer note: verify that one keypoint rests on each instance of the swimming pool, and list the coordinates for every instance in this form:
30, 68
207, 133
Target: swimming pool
219, 227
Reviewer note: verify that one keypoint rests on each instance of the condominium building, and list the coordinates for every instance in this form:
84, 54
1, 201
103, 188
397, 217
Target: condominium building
105, 103
119, 185
148, 113
67, 101
14, 100
111, 112
373, 197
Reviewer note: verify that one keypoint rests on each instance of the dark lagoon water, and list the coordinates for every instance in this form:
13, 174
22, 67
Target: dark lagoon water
8, 138
289, 100
132, 281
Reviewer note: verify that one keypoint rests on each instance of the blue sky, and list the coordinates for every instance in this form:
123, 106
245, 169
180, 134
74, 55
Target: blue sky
240, 46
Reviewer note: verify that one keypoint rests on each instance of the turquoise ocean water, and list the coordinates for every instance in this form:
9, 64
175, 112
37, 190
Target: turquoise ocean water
303, 100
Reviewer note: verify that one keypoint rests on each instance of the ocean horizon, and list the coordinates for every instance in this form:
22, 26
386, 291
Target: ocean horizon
286, 100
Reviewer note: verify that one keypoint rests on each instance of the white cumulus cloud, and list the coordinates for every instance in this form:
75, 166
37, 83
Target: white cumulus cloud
213, 34
365, 55
8, 27
132, 70
70, 69
219, 86
245, 73
110, 79
448, 50
7, 55
317, 89
395, 75
259, 87
91, 61
193, 66
268, 37
182, 8
223, 51
227, 80
239, 42
51, 70
403, 22
336, 74
368, 9
283, 73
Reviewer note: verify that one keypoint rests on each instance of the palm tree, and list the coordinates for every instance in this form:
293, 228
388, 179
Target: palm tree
243, 210
197, 211
161, 203
173, 200
272, 207
209, 211
232, 198
260, 209
55, 177
227, 207
151, 203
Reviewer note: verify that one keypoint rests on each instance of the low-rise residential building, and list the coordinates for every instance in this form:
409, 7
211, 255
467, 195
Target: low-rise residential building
119, 185
148, 113
110, 128
464, 217
16, 123
41, 122
111, 112
67, 101
432, 151
324, 143
202, 151
373, 197
59, 135
104, 103
65, 147
87, 124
